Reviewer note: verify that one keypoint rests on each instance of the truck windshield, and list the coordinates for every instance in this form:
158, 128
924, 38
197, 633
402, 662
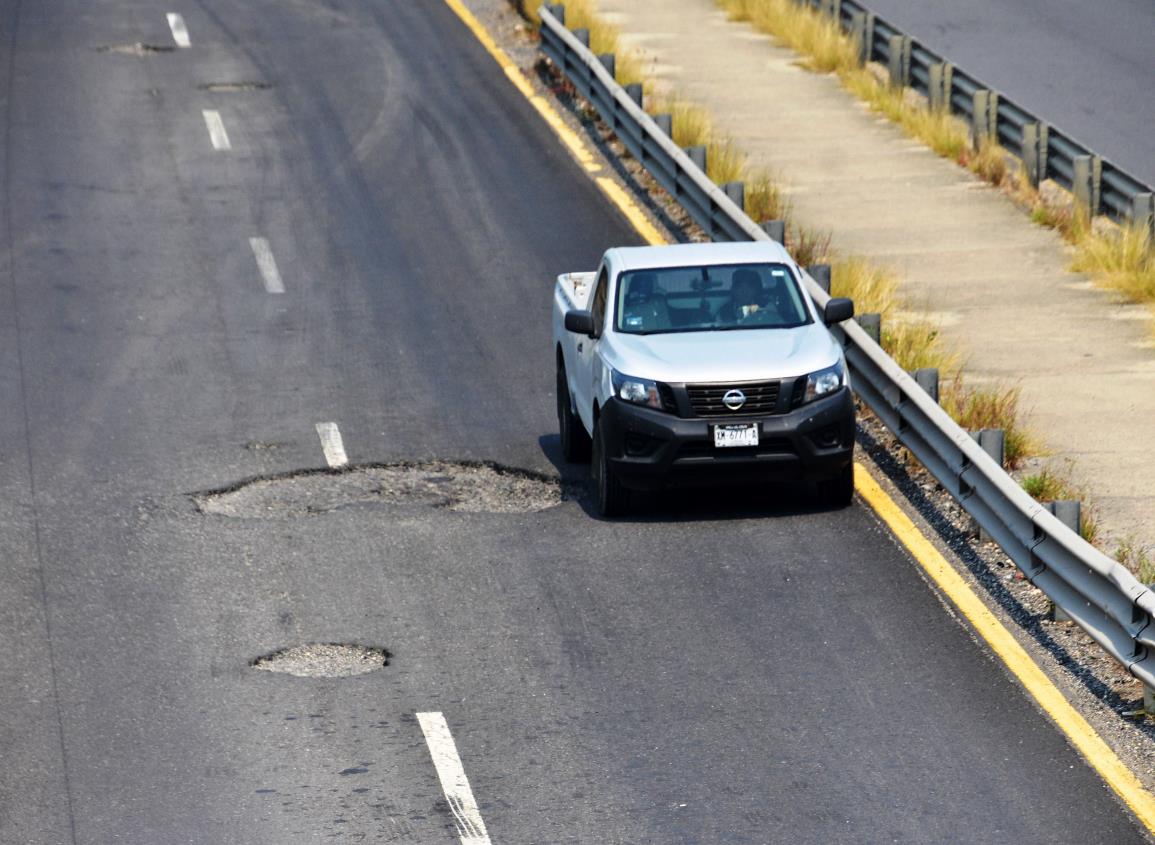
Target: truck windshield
714, 298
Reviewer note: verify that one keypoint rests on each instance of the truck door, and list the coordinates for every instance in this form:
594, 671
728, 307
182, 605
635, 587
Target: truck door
588, 369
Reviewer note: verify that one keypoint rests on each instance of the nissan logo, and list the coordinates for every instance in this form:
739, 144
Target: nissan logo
734, 399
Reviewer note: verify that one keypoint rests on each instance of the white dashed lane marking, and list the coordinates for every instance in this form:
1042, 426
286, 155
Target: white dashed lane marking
179, 30
454, 783
217, 133
267, 265
331, 444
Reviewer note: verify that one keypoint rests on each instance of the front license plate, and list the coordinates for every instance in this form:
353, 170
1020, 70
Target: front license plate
735, 435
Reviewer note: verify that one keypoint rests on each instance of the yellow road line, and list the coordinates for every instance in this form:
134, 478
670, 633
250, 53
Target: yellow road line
570, 139
1002, 643
1080, 733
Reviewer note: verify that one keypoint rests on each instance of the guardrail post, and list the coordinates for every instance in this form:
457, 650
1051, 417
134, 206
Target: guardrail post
698, 156
1068, 512
583, 35
776, 229
831, 8
1088, 172
1143, 213
558, 11
862, 34
927, 379
1036, 137
872, 325
1148, 700
899, 64
665, 122
993, 442
821, 274
608, 62
635, 92
941, 84
984, 122
736, 191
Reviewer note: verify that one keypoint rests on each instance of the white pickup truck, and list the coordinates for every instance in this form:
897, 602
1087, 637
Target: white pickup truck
701, 363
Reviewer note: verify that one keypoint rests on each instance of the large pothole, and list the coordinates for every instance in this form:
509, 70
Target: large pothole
467, 487
324, 660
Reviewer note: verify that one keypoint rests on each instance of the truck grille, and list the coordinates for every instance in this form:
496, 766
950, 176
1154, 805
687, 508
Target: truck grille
761, 399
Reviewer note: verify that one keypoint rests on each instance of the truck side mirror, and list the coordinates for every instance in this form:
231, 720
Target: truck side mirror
580, 322
838, 309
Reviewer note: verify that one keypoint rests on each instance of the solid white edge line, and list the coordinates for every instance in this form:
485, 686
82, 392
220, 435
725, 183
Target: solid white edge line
179, 30
217, 133
331, 444
267, 264
454, 783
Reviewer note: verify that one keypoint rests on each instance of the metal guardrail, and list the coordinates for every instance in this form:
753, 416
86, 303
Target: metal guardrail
1100, 186
1098, 593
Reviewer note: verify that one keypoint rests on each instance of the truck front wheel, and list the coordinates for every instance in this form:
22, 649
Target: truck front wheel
838, 492
575, 443
610, 497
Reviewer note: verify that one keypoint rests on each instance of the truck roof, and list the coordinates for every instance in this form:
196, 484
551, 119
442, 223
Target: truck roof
683, 255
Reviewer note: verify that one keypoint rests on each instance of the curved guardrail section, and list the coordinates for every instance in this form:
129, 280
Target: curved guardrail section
1099, 594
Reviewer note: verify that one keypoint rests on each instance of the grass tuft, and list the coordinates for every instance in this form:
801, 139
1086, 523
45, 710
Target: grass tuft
996, 406
764, 200
1120, 260
808, 246
1137, 559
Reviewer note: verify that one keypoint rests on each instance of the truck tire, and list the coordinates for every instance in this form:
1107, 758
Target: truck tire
575, 443
610, 497
838, 492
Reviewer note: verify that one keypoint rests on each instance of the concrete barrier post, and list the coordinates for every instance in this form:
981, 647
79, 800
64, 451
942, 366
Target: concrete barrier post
927, 379
821, 274
736, 191
941, 84
1143, 213
899, 63
1088, 173
862, 34
1070, 513
984, 117
698, 156
872, 325
776, 229
665, 122
1036, 137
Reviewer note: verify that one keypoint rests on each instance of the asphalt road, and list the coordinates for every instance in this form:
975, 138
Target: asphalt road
1085, 68
729, 668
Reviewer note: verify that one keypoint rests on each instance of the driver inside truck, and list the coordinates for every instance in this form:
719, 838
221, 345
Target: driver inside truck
645, 307
747, 296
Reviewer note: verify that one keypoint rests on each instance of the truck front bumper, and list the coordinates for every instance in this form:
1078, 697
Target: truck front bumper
650, 449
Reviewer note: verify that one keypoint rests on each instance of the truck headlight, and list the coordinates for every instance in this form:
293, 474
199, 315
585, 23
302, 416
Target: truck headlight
824, 382
638, 391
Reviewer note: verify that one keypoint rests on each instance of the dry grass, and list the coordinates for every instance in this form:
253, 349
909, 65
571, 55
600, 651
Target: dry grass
724, 161
808, 246
764, 200
1137, 559
824, 48
1122, 261
995, 406
1049, 485
988, 162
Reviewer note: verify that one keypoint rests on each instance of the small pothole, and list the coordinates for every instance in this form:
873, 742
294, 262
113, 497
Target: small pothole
324, 660
466, 487
231, 87
136, 49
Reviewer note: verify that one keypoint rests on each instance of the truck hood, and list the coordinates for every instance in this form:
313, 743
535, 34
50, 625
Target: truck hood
740, 355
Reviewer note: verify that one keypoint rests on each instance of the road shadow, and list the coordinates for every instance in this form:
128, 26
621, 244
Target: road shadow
765, 500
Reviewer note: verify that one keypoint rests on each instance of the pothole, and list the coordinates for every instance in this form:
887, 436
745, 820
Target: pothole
466, 487
231, 87
136, 49
324, 660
